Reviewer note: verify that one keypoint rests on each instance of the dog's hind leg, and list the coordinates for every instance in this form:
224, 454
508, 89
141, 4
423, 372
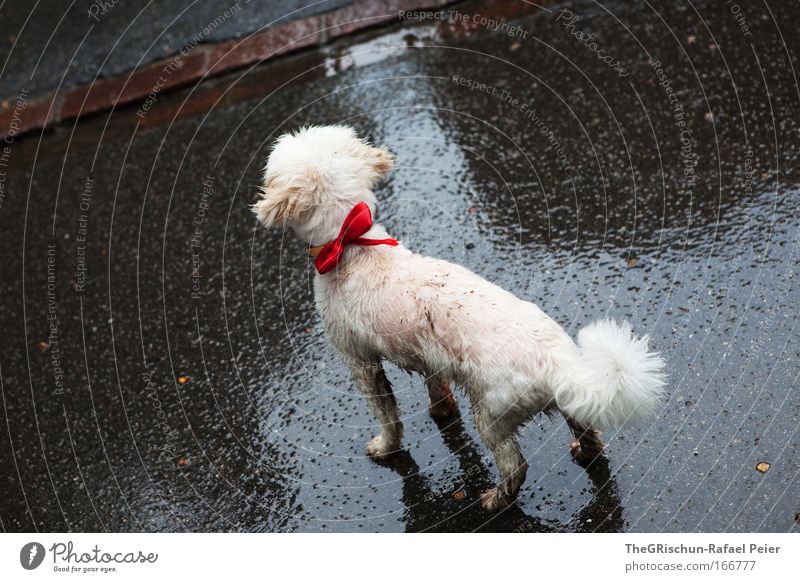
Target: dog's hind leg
443, 403
375, 386
586, 445
501, 438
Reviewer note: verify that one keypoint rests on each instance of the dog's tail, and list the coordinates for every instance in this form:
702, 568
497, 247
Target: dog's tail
619, 381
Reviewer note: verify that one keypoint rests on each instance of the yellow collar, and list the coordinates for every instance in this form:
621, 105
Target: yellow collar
314, 251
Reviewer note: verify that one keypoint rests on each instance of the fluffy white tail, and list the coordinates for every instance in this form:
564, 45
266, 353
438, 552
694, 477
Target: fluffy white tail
620, 382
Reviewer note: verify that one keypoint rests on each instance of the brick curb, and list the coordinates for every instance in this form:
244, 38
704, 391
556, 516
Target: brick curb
24, 113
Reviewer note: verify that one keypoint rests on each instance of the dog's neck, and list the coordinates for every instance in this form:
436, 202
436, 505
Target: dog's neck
335, 258
325, 225
376, 231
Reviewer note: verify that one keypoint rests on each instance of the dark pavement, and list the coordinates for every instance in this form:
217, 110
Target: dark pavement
51, 43
162, 365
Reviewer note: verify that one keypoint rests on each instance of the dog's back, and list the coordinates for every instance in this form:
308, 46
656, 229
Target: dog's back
440, 319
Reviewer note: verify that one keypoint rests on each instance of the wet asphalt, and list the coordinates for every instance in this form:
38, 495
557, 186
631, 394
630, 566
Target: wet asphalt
52, 44
163, 368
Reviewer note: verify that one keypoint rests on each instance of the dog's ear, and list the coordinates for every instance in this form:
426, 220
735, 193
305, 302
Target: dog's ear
382, 160
289, 199
275, 207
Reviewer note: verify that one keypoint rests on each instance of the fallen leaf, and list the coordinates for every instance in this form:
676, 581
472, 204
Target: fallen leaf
762, 467
183, 379
459, 495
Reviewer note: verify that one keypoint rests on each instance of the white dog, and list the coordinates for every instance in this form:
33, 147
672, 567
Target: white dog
380, 301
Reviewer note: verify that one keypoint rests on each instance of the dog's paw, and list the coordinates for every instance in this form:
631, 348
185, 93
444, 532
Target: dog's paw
377, 448
492, 500
586, 450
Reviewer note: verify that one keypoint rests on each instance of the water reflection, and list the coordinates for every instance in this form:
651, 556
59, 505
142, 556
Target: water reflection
435, 509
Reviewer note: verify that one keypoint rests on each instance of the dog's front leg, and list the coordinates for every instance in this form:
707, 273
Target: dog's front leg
375, 386
443, 403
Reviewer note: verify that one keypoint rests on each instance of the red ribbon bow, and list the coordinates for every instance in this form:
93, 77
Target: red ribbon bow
358, 222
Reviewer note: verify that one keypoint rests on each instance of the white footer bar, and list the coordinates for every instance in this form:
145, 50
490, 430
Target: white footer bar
385, 557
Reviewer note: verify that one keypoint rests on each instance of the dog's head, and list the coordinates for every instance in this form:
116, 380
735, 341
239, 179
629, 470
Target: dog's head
315, 176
